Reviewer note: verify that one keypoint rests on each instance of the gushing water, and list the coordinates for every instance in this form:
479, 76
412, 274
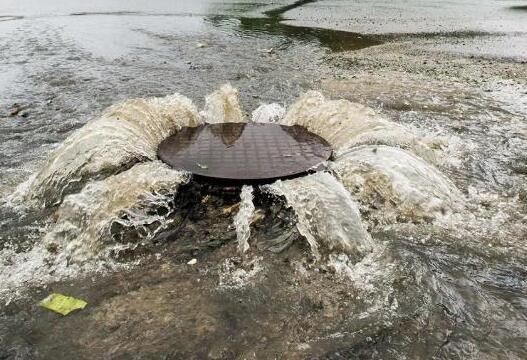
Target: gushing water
124, 208
223, 106
328, 217
268, 113
393, 184
345, 124
125, 134
242, 219
106, 216
397, 279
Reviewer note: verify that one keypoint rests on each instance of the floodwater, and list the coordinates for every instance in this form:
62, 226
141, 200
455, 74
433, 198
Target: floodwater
412, 244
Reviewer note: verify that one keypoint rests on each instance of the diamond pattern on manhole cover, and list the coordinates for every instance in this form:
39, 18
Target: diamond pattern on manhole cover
241, 151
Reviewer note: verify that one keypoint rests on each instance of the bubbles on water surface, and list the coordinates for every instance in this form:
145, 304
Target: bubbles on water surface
236, 276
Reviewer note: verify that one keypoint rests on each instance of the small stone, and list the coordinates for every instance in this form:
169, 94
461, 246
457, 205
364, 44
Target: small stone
15, 109
192, 262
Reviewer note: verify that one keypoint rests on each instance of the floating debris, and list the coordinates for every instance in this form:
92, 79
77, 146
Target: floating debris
62, 304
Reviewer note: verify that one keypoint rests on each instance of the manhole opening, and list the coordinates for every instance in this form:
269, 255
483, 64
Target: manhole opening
245, 152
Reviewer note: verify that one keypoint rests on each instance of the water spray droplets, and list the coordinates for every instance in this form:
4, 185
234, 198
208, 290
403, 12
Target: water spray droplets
242, 219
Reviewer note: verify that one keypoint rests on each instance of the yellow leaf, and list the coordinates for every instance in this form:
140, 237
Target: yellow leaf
62, 304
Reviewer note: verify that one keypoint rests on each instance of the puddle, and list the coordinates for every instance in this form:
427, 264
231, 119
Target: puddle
273, 25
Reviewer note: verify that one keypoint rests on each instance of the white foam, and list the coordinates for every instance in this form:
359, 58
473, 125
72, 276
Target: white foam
237, 276
268, 113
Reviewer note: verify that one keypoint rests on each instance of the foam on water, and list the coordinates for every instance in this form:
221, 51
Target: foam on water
393, 184
20, 271
268, 113
125, 134
345, 124
491, 223
373, 278
223, 106
235, 276
328, 217
242, 219
131, 206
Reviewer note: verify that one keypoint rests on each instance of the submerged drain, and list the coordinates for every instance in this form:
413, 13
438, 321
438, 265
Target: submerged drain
244, 152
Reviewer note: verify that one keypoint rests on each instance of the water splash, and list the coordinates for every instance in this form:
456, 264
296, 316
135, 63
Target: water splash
125, 134
242, 220
129, 207
327, 215
237, 276
345, 124
392, 184
223, 106
268, 113
19, 271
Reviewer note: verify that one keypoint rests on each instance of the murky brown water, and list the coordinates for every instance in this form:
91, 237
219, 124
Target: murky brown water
419, 229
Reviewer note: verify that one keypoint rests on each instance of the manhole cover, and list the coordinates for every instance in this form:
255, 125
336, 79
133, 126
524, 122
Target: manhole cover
239, 151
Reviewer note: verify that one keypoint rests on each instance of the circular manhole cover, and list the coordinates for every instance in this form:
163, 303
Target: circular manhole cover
240, 151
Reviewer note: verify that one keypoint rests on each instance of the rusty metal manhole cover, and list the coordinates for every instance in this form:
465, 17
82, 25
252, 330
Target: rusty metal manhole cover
248, 152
